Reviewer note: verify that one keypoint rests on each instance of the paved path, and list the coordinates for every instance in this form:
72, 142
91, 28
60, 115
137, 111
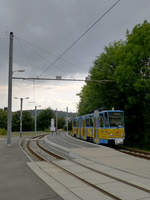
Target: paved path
17, 181
102, 155
70, 142
107, 161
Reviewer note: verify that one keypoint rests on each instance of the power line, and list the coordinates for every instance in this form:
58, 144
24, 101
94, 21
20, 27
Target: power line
59, 79
81, 36
38, 48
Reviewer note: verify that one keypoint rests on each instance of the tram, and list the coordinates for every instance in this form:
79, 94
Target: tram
101, 127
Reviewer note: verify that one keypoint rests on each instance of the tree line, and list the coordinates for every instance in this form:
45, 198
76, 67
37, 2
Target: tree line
43, 121
126, 66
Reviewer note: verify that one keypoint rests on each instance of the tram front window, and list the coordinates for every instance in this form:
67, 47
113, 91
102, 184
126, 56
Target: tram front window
116, 119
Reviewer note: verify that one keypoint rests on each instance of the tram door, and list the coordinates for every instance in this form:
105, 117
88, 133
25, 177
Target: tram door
83, 127
95, 127
80, 128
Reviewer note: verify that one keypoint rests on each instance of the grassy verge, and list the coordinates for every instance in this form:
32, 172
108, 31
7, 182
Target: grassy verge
27, 134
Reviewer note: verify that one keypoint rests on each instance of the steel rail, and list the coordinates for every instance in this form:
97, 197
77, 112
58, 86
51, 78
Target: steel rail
33, 152
39, 136
99, 172
134, 153
134, 150
70, 173
42, 159
49, 152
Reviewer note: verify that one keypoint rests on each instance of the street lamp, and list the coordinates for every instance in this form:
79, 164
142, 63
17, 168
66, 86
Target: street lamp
21, 106
56, 121
67, 119
19, 70
35, 116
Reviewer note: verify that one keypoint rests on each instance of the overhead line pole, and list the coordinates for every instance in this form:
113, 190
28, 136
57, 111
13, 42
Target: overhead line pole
56, 121
67, 119
35, 120
21, 105
9, 125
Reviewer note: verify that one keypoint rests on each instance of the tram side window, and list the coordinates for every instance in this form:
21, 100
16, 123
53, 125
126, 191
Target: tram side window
87, 122
77, 123
80, 123
74, 123
106, 119
101, 120
90, 122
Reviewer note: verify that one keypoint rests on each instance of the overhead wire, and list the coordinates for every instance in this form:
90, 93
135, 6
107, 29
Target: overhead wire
80, 37
38, 48
29, 64
24, 52
25, 49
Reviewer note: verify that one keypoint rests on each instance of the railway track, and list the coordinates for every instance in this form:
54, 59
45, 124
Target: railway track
68, 172
97, 171
136, 153
133, 152
58, 157
39, 136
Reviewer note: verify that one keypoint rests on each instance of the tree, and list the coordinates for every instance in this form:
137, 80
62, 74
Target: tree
27, 121
61, 122
3, 119
44, 119
105, 94
127, 65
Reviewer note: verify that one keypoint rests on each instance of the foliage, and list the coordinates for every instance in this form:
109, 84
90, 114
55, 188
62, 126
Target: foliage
69, 126
3, 119
61, 122
27, 121
3, 131
44, 119
126, 64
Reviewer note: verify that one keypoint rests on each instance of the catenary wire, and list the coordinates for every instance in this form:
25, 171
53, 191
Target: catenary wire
38, 48
80, 37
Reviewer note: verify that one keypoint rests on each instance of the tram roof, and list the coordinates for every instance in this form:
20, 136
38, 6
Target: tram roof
92, 114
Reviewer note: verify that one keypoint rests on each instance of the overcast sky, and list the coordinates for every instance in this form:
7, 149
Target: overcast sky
43, 29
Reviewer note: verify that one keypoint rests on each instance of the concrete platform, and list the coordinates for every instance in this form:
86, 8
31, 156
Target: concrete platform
17, 180
103, 156
122, 166
116, 160
68, 187
119, 189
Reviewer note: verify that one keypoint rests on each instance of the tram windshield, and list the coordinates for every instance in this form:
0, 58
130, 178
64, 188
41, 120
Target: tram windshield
116, 119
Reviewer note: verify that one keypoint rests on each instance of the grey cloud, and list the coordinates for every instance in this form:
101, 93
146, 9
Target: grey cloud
50, 26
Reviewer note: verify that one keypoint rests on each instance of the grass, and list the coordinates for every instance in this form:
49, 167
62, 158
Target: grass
27, 134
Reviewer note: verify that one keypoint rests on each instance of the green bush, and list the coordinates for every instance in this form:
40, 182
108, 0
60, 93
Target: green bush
3, 131
46, 130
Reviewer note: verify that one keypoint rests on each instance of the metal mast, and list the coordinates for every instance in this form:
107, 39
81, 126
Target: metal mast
9, 125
